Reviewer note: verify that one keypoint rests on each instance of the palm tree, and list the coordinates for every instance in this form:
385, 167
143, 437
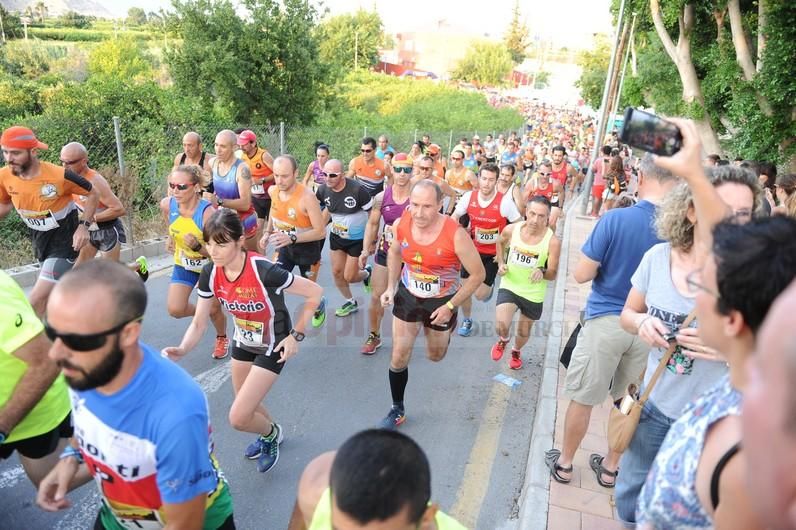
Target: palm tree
41, 9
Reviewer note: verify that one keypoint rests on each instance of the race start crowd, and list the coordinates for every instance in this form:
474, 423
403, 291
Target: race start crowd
687, 319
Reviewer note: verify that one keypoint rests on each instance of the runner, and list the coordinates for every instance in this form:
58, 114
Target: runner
507, 186
34, 403
511, 156
377, 479
490, 149
540, 185
186, 214
264, 335
425, 169
435, 153
193, 154
296, 227
388, 205
460, 178
345, 202
478, 150
42, 194
599, 167
314, 176
232, 181
470, 161
533, 252
367, 169
261, 167
384, 147
108, 234
152, 461
563, 172
430, 252
488, 212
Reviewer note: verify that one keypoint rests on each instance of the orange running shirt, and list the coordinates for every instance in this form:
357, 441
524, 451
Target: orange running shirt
430, 271
287, 216
260, 171
459, 181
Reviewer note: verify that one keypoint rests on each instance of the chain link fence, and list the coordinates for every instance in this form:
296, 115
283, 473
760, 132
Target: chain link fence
136, 157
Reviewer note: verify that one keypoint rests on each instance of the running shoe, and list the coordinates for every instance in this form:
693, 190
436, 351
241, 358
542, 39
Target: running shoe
395, 417
467, 327
319, 317
222, 348
515, 363
348, 308
372, 344
270, 450
366, 281
143, 268
499, 349
255, 448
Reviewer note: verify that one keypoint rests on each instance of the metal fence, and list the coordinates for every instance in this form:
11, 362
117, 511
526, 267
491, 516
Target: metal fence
136, 157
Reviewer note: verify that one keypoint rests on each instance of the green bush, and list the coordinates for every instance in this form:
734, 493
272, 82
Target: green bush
90, 35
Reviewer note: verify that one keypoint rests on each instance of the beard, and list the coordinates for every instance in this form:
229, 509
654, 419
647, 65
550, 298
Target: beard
21, 169
101, 375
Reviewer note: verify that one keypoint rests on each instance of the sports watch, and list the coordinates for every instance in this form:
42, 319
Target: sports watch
293, 239
299, 336
219, 201
85, 222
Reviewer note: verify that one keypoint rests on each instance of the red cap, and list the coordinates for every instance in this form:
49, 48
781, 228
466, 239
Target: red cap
246, 137
21, 138
401, 159
433, 148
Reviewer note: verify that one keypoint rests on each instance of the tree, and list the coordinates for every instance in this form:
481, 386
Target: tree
517, 37
485, 63
594, 70
136, 16
263, 67
71, 19
12, 26
121, 58
41, 10
343, 37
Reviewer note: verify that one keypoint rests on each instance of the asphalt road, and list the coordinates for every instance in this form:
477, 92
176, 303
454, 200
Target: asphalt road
475, 430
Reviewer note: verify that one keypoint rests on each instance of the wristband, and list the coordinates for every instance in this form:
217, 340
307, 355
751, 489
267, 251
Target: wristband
71, 451
450, 306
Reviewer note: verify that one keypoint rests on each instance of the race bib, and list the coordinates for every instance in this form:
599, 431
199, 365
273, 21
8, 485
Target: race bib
258, 189
138, 524
523, 258
284, 227
486, 236
41, 221
423, 285
249, 333
340, 229
388, 234
192, 264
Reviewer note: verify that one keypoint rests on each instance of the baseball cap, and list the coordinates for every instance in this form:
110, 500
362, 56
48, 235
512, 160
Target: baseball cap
401, 159
21, 138
246, 137
433, 148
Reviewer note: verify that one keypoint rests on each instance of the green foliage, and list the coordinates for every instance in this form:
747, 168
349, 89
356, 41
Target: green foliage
542, 79
485, 63
136, 16
344, 36
594, 69
262, 68
70, 19
87, 35
18, 97
122, 58
12, 26
517, 37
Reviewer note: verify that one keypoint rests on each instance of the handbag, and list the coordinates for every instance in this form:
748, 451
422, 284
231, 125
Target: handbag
624, 418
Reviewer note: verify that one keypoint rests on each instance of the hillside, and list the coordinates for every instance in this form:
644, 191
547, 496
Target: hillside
59, 7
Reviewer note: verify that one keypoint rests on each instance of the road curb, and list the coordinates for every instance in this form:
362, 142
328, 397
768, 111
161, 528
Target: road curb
25, 275
534, 499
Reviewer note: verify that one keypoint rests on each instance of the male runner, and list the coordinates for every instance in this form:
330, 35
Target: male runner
193, 154
42, 194
462, 179
384, 147
425, 169
367, 169
388, 205
232, 181
541, 185
435, 152
507, 186
429, 251
261, 167
488, 211
533, 252
152, 460
377, 479
346, 203
34, 403
490, 149
296, 227
563, 172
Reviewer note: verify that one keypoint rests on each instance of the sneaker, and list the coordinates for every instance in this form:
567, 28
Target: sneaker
499, 349
366, 281
395, 417
372, 344
319, 317
467, 327
255, 449
222, 348
143, 268
348, 308
270, 450
515, 363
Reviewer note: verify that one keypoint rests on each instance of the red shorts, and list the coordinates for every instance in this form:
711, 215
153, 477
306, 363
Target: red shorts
597, 191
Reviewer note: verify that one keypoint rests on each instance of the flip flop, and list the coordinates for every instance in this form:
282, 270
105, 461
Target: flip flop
551, 460
596, 464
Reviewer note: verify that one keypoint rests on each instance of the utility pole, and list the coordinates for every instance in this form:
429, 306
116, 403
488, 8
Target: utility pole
628, 44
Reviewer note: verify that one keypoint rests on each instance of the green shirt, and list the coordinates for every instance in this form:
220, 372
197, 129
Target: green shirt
18, 325
521, 262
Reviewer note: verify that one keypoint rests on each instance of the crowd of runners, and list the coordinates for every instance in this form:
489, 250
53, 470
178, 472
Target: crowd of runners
425, 234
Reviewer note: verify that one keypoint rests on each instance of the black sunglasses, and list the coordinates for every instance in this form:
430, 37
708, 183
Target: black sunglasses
366, 150
181, 187
332, 175
402, 169
77, 342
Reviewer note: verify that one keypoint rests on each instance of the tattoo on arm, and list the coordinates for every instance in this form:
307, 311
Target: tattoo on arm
245, 172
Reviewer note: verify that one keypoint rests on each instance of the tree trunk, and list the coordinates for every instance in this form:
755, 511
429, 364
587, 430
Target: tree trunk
719, 15
762, 19
743, 53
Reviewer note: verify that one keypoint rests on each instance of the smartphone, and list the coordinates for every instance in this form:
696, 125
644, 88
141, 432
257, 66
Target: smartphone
670, 337
650, 133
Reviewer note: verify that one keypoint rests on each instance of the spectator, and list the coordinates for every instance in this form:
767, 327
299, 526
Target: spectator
786, 195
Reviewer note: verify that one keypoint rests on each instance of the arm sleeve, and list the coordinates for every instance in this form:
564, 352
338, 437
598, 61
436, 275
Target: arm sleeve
461, 204
508, 209
74, 183
641, 278
18, 323
274, 276
203, 288
599, 241
319, 196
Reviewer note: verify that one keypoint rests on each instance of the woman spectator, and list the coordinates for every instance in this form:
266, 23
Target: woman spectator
615, 180
785, 190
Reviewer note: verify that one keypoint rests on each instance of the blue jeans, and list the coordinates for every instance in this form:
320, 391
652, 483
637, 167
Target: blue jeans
637, 460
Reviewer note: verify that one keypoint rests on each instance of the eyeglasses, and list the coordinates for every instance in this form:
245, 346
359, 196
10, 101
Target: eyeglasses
83, 343
426, 168
331, 175
181, 187
402, 169
70, 162
692, 280
366, 150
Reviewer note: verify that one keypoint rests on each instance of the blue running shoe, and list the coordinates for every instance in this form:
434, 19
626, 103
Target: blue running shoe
270, 450
393, 419
255, 448
467, 327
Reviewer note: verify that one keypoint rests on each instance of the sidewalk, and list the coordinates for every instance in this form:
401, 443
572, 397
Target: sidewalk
583, 503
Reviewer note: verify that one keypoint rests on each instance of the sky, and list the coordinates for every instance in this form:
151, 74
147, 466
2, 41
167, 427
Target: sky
567, 22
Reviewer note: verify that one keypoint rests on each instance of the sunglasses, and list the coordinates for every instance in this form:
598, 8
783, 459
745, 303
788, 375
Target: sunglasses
331, 175
181, 187
402, 169
70, 162
83, 343
457, 158
366, 150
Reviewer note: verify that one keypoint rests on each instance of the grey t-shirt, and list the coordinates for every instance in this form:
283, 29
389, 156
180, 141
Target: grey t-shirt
684, 378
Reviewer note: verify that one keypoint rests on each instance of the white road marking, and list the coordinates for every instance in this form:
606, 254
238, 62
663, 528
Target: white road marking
11, 476
213, 379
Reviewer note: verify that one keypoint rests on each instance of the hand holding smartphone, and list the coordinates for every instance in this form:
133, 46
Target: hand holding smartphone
650, 133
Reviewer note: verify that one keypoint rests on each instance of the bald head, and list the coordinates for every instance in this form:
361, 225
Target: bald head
192, 138
227, 137
333, 166
73, 150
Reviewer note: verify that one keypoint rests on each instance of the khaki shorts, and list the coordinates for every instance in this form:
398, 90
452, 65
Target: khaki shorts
605, 359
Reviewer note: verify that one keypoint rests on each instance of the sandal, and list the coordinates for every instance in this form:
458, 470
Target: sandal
596, 463
551, 460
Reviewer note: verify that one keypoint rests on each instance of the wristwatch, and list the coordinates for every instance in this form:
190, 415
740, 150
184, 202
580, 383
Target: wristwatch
293, 239
3, 437
85, 222
299, 336
219, 201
